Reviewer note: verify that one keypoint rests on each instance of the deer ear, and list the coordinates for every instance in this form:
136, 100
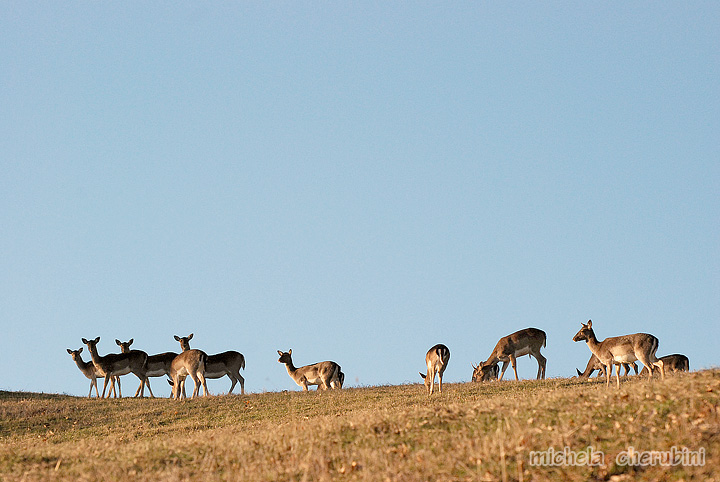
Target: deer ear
190, 337
117, 341
279, 353
422, 375
80, 350
69, 351
177, 338
131, 341
290, 351
589, 325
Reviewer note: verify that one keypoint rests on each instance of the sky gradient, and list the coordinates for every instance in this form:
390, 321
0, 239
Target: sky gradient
357, 182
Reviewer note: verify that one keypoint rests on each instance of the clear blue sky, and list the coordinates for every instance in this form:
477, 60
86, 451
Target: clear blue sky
355, 181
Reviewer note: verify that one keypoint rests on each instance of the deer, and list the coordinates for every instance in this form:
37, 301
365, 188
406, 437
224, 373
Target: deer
117, 364
487, 375
621, 349
188, 363
217, 366
157, 365
88, 369
594, 364
436, 361
523, 342
675, 363
325, 374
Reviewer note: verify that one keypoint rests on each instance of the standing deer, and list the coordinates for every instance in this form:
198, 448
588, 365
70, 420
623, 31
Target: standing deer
157, 365
125, 348
188, 363
675, 363
217, 366
621, 349
594, 364
88, 369
325, 374
117, 364
523, 342
436, 361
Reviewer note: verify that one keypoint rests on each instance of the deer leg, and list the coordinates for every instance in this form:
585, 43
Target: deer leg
203, 381
141, 388
617, 375
147, 382
182, 384
107, 377
233, 380
608, 373
242, 383
542, 361
513, 360
118, 390
181, 394
196, 390
504, 367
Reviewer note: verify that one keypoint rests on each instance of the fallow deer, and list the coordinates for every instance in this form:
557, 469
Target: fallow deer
325, 374
523, 342
157, 365
621, 349
117, 364
486, 375
217, 366
594, 364
436, 361
674, 363
88, 369
188, 363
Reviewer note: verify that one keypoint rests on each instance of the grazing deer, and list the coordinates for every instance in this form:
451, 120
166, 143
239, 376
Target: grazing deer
436, 360
188, 363
675, 363
88, 369
621, 349
487, 375
157, 365
325, 374
117, 364
594, 364
217, 366
523, 342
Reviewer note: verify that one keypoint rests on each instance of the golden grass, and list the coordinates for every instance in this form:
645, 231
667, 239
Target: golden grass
396, 433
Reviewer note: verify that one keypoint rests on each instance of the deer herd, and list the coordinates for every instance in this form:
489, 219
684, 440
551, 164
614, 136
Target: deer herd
614, 351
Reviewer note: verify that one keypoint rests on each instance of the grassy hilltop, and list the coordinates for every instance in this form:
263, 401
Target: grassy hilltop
470, 432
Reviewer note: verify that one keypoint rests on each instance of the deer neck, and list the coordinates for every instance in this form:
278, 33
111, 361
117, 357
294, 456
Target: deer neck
593, 342
290, 368
94, 356
492, 360
82, 365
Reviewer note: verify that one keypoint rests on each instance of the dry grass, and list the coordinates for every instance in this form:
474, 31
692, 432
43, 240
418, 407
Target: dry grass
470, 432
